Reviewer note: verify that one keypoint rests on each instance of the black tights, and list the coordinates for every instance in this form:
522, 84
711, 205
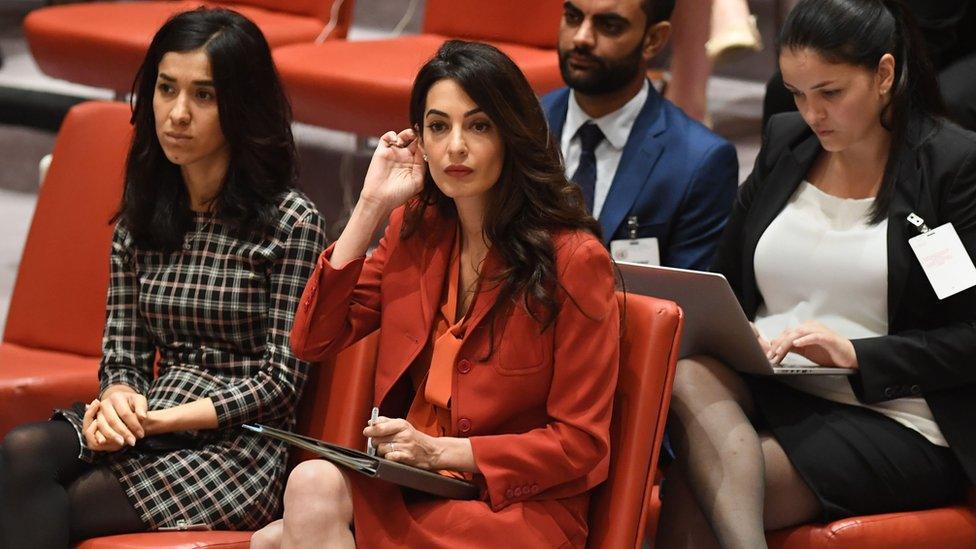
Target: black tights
48, 497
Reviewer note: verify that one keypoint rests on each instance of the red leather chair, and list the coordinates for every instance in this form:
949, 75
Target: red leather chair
945, 528
101, 44
363, 87
52, 341
620, 507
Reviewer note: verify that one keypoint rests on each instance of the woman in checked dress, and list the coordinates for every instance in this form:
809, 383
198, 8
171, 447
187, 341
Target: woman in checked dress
211, 251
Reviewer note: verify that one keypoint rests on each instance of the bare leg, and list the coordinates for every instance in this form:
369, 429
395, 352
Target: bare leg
268, 537
318, 508
690, 65
719, 450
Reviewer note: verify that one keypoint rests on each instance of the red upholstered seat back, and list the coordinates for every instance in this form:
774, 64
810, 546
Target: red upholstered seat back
648, 353
58, 302
319, 9
534, 23
338, 397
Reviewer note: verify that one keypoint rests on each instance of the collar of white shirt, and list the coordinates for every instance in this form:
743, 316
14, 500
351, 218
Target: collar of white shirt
615, 126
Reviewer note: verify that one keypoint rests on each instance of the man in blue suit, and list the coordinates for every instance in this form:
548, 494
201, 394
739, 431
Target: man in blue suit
661, 184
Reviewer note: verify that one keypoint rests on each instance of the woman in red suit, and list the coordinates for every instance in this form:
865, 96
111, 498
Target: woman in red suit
498, 326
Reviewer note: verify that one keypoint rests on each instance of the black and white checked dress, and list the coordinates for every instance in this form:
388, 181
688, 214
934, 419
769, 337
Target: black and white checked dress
219, 312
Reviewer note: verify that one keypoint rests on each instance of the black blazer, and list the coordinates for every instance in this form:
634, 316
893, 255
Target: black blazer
930, 349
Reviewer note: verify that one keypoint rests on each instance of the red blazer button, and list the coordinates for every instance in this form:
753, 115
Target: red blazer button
464, 366
464, 425
534, 489
518, 492
509, 494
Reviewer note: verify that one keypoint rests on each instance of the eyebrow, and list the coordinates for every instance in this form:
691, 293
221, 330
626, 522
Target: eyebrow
816, 87
169, 78
600, 17
475, 110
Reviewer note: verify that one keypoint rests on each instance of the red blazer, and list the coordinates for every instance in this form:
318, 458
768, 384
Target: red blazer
538, 410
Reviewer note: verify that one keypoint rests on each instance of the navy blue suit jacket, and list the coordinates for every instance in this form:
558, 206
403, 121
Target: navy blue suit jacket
675, 175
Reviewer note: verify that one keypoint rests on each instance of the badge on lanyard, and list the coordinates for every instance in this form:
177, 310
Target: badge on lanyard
635, 250
944, 259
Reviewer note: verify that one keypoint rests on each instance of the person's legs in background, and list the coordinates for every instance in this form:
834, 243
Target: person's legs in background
704, 30
690, 64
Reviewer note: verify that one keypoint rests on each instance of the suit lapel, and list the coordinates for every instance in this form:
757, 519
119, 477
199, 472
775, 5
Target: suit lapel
905, 200
640, 154
429, 252
435, 250
556, 113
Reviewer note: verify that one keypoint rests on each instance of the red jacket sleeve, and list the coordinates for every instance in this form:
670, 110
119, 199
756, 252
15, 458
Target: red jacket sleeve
341, 304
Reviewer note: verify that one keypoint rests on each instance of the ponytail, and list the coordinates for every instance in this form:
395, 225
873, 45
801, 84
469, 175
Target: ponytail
861, 32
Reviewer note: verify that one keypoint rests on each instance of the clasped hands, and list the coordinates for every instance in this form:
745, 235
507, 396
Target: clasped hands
119, 418
811, 340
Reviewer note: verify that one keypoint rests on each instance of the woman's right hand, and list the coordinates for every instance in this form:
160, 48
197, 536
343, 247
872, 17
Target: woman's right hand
116, 420
95, 440
396, 172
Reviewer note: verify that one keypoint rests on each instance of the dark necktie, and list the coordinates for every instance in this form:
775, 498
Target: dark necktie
585, 176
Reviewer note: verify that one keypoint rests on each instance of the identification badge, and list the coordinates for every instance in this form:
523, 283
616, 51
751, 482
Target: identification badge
636, 250
944, 259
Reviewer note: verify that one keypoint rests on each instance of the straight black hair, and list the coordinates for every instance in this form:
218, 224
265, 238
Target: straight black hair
255, 118
860, 32
657, 10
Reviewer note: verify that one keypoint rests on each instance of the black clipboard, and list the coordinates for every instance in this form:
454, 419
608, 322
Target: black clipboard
374, 466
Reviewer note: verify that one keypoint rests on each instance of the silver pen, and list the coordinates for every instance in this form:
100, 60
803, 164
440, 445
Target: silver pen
370, 449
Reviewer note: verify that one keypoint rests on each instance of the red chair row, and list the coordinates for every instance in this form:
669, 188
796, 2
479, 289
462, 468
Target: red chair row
361, 87
49, 354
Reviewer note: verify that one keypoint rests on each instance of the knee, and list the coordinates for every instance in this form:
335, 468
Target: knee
696, 374
268, 537
20, 453
317, 486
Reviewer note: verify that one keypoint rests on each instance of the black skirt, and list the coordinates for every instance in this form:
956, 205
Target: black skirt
855, 460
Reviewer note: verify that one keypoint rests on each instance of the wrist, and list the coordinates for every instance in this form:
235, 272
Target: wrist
156, 422
453, 454
373, 208
117, 388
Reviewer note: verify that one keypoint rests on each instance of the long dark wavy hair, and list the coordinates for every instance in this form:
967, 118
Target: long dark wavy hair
860, 32
255, 118
532, 198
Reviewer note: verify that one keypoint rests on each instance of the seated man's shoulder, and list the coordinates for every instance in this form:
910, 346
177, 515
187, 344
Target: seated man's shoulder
552, 98
694, 138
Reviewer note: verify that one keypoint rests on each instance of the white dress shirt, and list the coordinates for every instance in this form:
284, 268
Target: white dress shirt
616, 129
820, 260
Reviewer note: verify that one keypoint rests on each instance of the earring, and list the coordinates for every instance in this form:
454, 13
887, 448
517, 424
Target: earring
426, 159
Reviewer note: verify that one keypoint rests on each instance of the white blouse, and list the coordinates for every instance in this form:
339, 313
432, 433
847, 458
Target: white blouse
820, 260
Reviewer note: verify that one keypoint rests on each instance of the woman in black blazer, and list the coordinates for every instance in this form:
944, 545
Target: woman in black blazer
762, 453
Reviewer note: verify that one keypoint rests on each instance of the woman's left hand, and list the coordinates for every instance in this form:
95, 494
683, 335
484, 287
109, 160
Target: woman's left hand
397, 440
817, 343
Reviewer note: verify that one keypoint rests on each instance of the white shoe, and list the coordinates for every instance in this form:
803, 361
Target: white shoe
728, 36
